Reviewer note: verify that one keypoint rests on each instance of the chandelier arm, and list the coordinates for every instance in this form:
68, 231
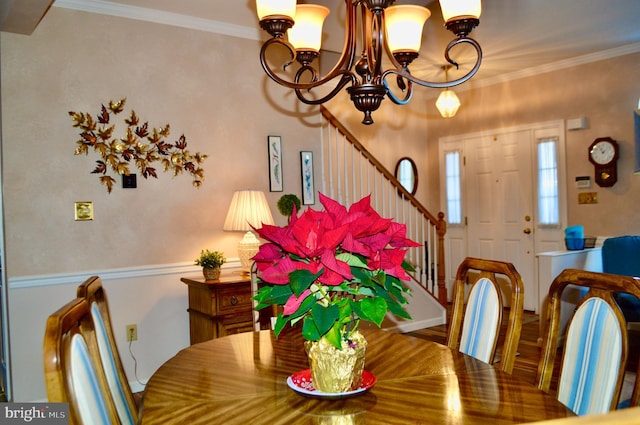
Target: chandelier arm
347, 78
343, 65
443, 85
377, 28
408, 91
372, 40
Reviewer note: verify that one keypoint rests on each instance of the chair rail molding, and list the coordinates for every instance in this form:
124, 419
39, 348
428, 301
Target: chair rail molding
24, 282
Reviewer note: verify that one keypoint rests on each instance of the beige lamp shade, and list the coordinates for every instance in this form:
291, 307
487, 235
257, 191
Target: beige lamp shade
276, 8
448, 103
404, 25
458, 8
248, 208
306, 34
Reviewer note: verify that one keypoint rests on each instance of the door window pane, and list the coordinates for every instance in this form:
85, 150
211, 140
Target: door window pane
454, 196
548, 202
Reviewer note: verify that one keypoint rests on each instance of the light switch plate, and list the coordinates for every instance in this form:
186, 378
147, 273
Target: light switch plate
83, 211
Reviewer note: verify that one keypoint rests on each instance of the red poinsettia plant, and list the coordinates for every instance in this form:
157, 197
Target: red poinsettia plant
332, 268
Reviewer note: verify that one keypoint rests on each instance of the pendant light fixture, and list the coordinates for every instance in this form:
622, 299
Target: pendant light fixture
448, 102
396, 30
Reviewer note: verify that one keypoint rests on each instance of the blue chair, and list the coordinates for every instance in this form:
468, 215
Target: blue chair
595, 348
621, 255
474, 326
73, 372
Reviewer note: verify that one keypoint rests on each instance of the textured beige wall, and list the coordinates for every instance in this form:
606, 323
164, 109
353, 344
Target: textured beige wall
207, 86
605, 92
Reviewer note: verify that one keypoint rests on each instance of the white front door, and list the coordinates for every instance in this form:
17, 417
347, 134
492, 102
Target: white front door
499, 198
500, 203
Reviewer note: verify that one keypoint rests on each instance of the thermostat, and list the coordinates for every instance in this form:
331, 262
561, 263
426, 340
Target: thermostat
583, 182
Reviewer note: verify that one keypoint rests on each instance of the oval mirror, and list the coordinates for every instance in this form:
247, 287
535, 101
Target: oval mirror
407, 174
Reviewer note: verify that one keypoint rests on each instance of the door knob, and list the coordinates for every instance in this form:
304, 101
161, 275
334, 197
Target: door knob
527, 230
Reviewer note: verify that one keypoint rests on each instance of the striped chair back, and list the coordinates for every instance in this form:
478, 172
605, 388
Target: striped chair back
73, 372
474, 326
90, 401
591, 364
107, 357
126, 405
481, 323
595, 349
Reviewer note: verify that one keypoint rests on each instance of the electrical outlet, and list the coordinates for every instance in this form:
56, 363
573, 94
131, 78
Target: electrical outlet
132, 332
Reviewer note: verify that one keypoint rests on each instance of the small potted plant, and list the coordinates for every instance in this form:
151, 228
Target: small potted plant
210, 262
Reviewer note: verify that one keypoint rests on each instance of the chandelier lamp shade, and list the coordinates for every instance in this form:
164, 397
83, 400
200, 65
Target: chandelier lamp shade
248, 208
396, 30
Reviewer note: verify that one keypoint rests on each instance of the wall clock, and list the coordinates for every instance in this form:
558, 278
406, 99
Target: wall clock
603, 154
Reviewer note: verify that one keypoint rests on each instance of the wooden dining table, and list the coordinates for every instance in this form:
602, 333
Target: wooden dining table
241, 379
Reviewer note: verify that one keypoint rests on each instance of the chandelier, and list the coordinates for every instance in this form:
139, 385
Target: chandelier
394, 29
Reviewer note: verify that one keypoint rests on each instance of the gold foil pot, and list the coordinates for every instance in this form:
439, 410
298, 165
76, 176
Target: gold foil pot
334, 370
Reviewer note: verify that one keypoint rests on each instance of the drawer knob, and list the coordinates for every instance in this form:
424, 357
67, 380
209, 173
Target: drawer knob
234, 300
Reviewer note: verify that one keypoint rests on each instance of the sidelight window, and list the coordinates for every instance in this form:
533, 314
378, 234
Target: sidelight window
548, 197
454, 192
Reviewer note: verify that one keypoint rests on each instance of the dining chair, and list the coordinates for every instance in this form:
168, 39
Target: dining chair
126, 404
595, 342
474, 327
73, 373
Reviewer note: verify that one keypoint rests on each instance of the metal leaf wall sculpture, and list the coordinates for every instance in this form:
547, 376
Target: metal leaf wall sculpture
140, 146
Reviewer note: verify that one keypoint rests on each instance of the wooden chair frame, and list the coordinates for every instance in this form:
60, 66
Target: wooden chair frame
489, 269
93, 291
600, 285
71, 319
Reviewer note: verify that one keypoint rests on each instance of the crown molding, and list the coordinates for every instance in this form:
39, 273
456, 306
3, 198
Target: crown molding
477, 83
159, 17
563, 64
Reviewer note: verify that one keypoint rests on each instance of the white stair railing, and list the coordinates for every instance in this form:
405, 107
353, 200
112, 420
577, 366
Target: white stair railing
349, 172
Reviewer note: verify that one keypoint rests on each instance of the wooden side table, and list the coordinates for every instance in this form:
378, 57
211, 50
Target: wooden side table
219, 307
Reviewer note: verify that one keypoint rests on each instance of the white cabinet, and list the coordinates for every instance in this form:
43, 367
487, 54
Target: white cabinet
551, 264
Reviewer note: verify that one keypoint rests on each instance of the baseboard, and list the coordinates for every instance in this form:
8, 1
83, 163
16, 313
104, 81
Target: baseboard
410, 326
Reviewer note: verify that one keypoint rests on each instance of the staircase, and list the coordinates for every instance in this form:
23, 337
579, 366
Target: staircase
350, 172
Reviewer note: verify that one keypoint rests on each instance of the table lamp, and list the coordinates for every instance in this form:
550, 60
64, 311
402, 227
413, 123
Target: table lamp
248, 208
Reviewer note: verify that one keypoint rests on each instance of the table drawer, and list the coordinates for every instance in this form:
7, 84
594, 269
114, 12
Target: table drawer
234, 299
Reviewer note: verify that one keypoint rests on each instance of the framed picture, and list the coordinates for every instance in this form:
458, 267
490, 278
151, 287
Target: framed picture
306, 167
275, 163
